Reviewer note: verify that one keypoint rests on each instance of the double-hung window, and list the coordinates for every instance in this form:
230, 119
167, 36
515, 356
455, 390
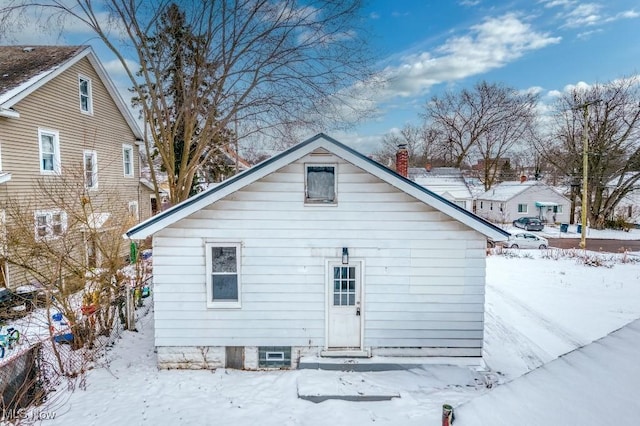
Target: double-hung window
523, 208
49, 151
90, 162
49, 224
86, 103
320, 183
127, 160
223, 275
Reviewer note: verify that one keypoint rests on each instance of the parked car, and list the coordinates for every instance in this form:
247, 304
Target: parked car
529, 223
526, 240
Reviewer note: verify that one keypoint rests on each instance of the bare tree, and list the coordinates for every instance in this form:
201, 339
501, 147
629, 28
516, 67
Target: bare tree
613, 134
268, 66
75, 251
420, 142
486, 121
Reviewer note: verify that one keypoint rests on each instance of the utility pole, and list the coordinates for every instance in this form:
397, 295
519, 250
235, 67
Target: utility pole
585, 169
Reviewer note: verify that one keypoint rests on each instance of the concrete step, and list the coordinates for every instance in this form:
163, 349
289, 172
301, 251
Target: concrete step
319, 386
383, 363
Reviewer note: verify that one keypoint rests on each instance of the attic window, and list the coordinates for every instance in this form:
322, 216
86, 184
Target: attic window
320, 183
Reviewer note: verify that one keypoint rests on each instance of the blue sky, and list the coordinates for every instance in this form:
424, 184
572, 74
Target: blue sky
427, 46
546, 45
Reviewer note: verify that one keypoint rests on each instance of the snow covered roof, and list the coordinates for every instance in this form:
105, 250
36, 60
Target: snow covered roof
594, 385
507, 190
626, 177
318, 142
442, 180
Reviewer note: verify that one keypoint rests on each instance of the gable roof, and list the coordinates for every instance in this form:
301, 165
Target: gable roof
320, 141
24, 69
442, 180
505, 191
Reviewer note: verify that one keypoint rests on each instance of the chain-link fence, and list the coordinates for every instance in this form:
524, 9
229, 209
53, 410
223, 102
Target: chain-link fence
20, 383
29, 375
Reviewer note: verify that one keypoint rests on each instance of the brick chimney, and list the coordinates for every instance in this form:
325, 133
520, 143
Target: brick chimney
402, 160
523, 179
427, 167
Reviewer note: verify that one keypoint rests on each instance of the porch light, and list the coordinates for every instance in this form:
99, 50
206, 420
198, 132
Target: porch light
345, 255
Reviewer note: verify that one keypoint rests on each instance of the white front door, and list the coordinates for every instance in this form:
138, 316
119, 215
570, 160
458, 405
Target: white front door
345, 306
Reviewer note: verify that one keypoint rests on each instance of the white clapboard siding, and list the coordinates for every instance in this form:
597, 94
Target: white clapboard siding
424, 273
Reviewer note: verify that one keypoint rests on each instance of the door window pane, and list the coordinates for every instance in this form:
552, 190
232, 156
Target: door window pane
344, 286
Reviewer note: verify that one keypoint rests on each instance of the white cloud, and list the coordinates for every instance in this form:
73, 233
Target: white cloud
585, 14
469, 2
576, 15
556, 3
627, 14
489, 45
374, 15
587, 34
115, 69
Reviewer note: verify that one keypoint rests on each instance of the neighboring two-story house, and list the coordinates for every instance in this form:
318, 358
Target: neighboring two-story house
62, 116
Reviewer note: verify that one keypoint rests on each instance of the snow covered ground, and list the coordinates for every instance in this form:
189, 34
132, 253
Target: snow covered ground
539, 306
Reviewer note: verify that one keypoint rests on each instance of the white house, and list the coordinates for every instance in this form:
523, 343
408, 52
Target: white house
511, 200
447, 182
628, 208
316, 251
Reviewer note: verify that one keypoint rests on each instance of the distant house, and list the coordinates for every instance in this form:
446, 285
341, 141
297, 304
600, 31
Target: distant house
511, 200
61, 116
448, 182
317, 251
629, 207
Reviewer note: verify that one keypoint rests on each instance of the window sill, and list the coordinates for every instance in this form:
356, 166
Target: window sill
224, 305
320, 203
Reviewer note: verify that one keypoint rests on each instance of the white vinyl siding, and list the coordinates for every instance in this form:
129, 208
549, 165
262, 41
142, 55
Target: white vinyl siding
127, 160
90, 163
49, 141
86, 100
423, 272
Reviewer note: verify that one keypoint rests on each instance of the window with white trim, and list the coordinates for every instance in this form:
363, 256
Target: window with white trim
90, 162
557, 209
127, 160
49, 223
133, 210
49, 151
86, 102
223, 275
523, 208
320, 183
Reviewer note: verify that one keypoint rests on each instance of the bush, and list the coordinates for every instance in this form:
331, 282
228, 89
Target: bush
618, 223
